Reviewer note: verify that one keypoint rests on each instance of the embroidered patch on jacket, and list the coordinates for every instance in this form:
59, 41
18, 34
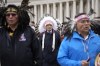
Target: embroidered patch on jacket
11, 34
22, 37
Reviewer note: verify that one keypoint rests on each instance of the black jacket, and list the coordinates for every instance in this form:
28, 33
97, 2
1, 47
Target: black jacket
23, 49
50, 57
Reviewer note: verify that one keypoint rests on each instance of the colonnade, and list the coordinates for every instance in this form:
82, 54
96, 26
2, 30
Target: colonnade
60, 9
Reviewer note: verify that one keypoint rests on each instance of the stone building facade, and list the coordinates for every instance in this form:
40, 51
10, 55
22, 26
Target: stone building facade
60, 9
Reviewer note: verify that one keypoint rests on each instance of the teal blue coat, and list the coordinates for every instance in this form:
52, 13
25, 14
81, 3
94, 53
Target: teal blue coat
73, 51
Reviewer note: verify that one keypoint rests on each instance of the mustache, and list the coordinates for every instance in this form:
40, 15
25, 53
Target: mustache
87, 27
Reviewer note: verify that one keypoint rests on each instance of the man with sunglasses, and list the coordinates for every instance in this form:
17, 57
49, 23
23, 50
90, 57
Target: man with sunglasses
19, 45
83, 46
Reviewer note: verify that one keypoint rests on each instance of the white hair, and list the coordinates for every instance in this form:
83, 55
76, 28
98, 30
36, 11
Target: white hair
42, 22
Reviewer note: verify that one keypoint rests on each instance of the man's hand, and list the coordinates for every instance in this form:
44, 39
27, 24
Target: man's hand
85, 63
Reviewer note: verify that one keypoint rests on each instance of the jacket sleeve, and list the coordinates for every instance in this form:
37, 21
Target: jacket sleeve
37, 51
63, 58
0, 45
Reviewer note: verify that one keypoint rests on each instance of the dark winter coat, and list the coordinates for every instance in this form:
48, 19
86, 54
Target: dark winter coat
23, 49
49, 56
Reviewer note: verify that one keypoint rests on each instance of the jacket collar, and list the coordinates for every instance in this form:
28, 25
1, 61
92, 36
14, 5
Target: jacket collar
78, 36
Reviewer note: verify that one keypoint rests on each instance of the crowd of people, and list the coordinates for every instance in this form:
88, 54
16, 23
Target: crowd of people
20, 45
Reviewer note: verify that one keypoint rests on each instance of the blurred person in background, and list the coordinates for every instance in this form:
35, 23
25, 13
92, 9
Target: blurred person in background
50, 41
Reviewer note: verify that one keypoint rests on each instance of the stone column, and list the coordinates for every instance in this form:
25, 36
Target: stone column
67, 9
48, 9
74, 9
81, 6
41, 9
93, 4
54, 10
88, 6
61, 15
32, 11
97, 8
35, 13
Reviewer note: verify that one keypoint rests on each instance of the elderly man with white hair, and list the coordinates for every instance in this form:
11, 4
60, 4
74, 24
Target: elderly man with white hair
50, 40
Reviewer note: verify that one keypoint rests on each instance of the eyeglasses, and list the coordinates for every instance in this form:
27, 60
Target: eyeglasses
84, 21
12, 14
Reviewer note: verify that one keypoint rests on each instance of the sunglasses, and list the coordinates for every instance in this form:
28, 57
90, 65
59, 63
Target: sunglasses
11, 14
